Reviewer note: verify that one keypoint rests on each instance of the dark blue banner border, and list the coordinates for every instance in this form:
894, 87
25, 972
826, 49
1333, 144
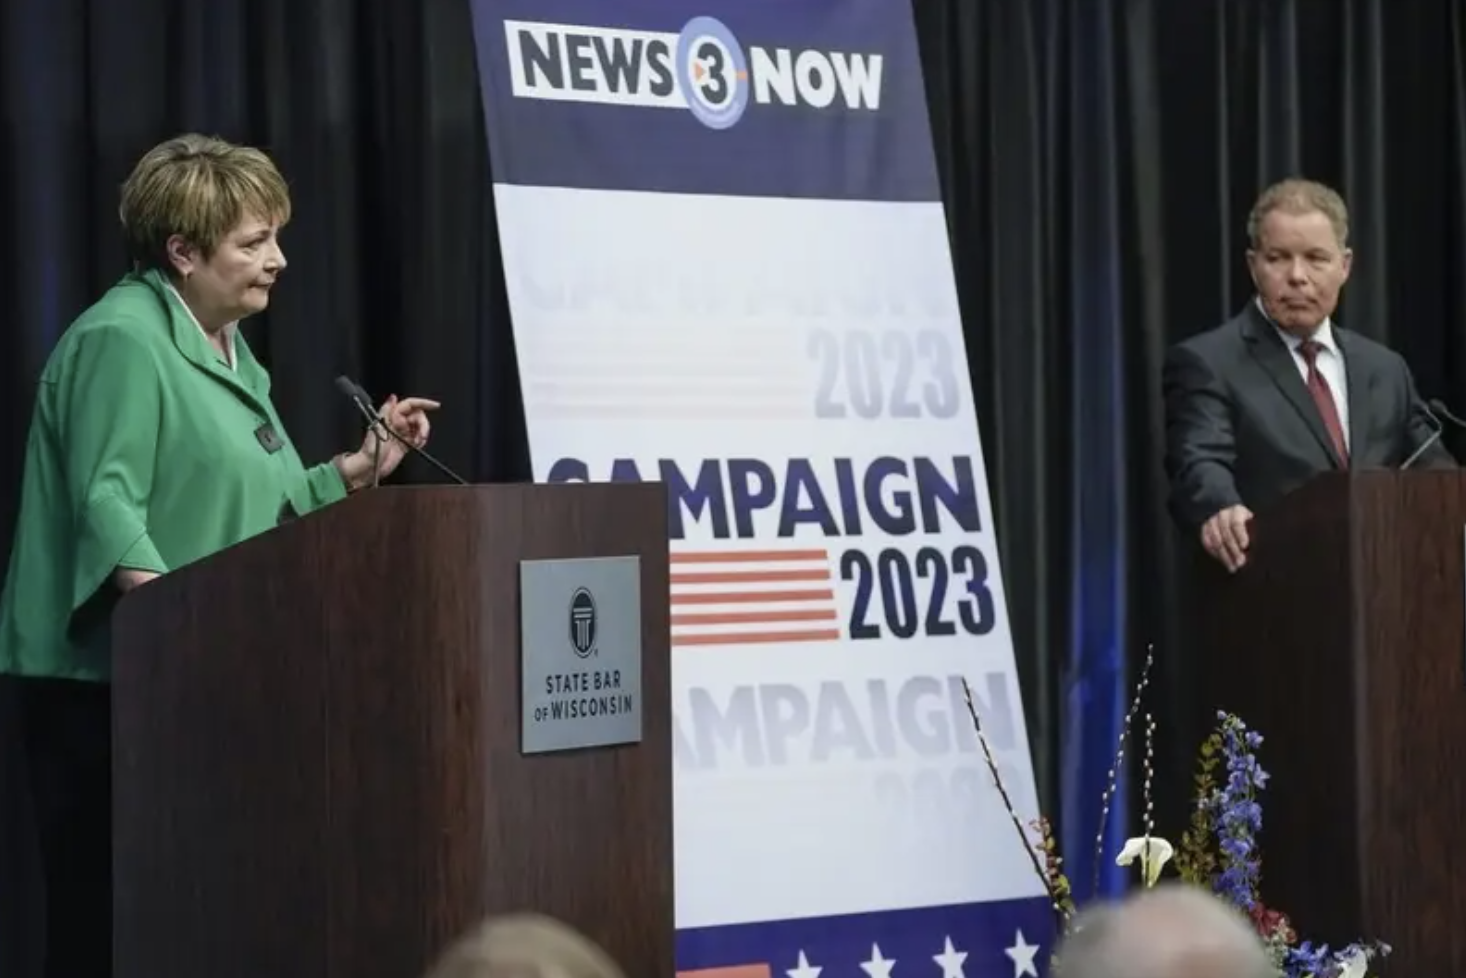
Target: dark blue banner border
737, 147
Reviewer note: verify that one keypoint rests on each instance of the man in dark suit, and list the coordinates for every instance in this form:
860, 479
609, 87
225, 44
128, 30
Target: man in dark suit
1260, 404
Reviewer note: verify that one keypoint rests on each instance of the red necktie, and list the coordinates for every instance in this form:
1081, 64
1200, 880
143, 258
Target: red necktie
1323, 398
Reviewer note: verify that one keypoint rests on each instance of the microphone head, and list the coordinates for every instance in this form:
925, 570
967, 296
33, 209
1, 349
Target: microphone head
353, 390
1438, 410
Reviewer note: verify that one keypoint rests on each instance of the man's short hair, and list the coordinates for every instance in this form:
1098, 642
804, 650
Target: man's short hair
1140, 936
1298, 196
199, 187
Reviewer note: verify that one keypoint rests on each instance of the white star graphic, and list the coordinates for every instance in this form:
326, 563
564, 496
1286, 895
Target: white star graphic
805, 969
1022, 954
951, 961
877, 966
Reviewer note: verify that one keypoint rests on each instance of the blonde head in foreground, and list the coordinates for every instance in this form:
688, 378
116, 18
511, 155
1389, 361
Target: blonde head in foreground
525, 946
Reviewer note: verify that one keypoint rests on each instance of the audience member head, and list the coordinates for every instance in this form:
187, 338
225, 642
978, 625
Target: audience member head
525, 946
1169, 931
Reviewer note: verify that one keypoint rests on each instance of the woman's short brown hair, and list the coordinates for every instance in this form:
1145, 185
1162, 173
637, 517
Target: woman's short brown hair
199, 187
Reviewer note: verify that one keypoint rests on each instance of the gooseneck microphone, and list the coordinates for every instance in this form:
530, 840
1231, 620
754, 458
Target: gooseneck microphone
1435, 409
1435, 436
1439, 407
358, 396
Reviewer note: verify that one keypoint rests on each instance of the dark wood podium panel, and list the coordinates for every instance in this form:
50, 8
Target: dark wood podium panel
1344, 643
317, 768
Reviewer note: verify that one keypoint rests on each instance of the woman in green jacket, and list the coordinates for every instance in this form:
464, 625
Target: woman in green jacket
153, 444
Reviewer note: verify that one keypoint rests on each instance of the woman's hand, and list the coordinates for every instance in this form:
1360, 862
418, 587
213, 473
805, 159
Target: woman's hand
129, 578
408, 419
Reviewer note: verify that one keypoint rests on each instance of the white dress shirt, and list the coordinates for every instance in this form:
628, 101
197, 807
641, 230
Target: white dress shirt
228, 358
1330, 363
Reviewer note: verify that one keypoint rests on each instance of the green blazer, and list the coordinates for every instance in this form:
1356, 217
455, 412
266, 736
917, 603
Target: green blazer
146, 451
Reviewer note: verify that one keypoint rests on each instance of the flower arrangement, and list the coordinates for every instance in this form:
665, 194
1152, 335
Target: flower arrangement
1219, 850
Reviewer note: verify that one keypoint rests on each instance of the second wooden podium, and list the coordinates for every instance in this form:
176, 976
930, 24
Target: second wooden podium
1343, 642
318, 769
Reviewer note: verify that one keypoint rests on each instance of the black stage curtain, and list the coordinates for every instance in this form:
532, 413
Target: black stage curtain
1098, 160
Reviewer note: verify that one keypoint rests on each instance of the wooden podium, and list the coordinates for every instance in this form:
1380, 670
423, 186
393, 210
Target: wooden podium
317, 764
1342, 642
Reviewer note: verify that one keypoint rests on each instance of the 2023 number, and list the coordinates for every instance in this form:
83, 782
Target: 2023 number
943, 800
878, 373
895, 577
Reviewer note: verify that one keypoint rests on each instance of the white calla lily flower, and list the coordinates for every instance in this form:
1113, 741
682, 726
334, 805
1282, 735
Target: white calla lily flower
1356, 965
1153, 853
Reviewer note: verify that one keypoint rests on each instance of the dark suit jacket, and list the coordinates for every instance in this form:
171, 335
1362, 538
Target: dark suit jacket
1241, 426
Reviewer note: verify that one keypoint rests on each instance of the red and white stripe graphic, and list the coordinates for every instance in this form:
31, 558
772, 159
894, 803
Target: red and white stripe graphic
747, 597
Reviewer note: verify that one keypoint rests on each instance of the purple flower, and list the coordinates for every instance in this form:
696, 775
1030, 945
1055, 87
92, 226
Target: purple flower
1236, 816
1305, 960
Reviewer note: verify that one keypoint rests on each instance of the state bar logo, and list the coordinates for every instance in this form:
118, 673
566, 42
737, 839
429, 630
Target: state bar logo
703, 69
583, 623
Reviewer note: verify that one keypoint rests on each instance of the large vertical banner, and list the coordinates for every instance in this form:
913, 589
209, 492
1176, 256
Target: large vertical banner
728, 271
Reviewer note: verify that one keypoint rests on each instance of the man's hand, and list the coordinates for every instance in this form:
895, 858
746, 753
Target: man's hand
1225, 536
